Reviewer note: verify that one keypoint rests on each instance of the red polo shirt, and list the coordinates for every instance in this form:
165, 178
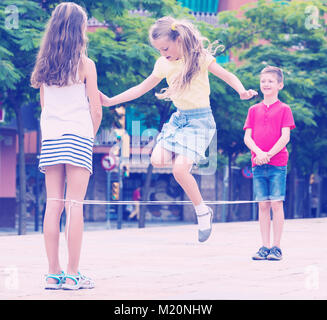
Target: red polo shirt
266, 123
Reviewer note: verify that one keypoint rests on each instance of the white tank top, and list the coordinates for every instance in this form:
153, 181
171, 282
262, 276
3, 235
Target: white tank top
66, 110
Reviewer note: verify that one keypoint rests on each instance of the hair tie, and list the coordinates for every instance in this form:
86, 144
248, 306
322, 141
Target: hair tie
173, 26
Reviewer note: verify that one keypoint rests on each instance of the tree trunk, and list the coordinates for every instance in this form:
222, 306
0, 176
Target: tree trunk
145, 193
319, 192
230, 188
292, 185
307, 197
22, 173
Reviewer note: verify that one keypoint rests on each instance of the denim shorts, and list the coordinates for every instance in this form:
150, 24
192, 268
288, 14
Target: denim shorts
188, 132
269, 182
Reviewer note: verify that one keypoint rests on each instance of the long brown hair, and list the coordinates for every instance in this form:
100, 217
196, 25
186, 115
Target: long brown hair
61, 47
192, 48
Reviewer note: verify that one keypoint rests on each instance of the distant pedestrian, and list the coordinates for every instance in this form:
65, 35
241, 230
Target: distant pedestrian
71, 115
136, 197
267, 132
184, 63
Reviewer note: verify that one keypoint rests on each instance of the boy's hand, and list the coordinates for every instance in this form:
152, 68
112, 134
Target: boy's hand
262, 158
105, 101
248, 94
260, 162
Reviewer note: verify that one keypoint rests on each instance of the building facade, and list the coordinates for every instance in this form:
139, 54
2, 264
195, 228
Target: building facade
7, 177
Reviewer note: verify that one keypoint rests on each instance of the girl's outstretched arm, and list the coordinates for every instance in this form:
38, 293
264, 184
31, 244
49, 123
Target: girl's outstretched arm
231, 80
132, 93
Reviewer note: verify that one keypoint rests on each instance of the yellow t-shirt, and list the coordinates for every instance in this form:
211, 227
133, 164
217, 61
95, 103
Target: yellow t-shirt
196, 95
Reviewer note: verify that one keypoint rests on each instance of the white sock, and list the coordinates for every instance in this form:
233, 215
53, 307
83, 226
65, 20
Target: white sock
203, 220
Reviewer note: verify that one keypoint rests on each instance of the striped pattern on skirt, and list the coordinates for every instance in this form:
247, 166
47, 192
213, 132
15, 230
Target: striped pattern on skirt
68, 149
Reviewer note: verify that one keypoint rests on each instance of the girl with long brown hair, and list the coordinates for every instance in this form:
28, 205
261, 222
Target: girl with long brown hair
70, 117
185, 63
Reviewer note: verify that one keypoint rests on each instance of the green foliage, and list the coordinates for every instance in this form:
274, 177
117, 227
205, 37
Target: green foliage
243, 159
301, 52
124, 56
20, 27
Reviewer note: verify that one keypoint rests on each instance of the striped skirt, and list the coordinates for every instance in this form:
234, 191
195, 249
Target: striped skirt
68, 149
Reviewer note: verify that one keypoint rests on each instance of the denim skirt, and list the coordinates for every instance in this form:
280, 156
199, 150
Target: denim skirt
188, 133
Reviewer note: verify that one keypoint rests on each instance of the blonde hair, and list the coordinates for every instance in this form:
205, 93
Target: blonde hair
192, 48
275, 70
62, 46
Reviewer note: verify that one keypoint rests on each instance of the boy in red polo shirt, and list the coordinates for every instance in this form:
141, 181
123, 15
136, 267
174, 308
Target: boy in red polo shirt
267, 132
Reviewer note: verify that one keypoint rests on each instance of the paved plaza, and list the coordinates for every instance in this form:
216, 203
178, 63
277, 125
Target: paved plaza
167, 263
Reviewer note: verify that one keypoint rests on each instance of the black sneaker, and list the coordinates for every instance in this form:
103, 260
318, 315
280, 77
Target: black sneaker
261, 254
275, 254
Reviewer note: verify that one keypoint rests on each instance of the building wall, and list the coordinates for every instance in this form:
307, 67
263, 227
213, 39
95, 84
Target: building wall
7, 177
7, 163
232, 4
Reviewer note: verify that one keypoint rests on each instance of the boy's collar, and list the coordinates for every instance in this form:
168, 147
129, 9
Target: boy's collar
271, 104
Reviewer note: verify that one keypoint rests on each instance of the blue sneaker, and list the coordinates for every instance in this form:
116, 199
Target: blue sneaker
275, 254
262, 254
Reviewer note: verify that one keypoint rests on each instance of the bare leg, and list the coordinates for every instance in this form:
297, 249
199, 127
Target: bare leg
135, 212
181, 172
55, 185
264, 220
77, 181
161, 157
278, 221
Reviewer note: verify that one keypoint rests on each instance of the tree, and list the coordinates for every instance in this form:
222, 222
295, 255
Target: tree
124, 58
301, 52
20, 28
128, 53
292, 38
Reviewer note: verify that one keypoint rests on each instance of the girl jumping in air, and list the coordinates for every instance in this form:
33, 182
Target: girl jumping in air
71, 115
184, 63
